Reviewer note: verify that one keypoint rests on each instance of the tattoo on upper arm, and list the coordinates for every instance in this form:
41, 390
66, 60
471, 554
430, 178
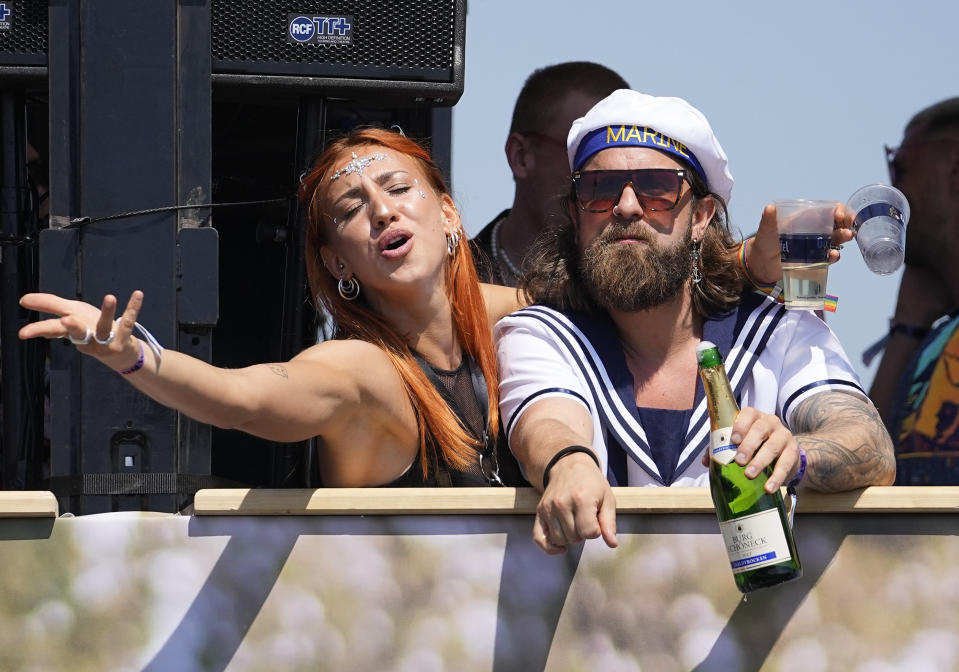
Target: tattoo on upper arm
846, 440
278, 370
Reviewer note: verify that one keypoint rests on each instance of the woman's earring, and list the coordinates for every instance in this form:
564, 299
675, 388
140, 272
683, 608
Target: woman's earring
349, 288
452, 240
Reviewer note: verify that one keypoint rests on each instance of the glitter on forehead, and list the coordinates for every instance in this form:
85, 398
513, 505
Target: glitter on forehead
357, 165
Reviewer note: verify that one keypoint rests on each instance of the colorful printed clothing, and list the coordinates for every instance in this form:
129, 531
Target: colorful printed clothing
775, 358
925, 422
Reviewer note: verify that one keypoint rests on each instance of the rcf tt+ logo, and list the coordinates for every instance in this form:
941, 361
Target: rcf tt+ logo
319, 29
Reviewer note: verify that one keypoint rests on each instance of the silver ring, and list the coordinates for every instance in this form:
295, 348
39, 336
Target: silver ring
107, 341
835, 247
80, 341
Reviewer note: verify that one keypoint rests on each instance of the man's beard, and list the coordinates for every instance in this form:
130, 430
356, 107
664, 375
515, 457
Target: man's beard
630, 278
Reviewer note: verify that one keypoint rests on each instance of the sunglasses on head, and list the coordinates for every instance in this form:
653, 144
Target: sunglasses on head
656, 188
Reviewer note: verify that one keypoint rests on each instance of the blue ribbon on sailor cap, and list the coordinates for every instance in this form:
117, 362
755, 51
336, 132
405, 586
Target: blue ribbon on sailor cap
622, 135
671, 125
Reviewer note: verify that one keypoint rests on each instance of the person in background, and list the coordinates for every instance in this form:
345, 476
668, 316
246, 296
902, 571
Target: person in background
549, 101
598, 381
916, 387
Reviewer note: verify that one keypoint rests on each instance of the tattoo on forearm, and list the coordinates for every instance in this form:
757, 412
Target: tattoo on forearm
847, 443
278, 370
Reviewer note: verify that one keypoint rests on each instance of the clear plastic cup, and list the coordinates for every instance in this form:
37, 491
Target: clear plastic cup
882, 213
805, 233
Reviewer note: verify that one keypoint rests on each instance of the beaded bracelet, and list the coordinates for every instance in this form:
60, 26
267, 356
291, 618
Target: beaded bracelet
568, 450
139, 363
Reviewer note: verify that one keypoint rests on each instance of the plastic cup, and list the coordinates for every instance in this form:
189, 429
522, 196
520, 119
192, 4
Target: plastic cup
882, 213
805, 233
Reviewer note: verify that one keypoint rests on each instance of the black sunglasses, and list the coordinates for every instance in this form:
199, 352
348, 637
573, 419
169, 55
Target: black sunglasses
656, 188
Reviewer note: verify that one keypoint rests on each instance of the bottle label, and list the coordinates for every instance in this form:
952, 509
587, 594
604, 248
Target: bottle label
755, 541
721, 448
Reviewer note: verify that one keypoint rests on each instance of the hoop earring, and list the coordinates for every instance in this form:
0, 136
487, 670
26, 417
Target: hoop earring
696, 257
452, 240
348, 288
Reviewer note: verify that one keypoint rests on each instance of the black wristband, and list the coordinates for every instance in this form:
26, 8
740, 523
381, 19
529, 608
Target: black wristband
568, 450
910, 330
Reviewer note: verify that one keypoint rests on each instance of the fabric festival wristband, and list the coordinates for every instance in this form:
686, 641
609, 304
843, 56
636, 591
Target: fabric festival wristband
791, 487
910, 330
568, 450
139, 363
830, 304
772, 290
802, 469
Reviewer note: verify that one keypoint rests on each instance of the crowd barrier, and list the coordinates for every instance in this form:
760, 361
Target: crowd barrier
449, 579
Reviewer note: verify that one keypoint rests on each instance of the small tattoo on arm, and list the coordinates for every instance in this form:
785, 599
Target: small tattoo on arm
278, 370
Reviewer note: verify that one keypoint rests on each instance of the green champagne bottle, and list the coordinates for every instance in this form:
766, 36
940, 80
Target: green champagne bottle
759, 542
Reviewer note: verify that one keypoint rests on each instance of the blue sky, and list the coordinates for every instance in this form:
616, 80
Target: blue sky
802, 97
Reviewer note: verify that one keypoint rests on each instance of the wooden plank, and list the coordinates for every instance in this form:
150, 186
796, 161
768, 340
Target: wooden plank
28, 504
365, 501
384, 501
884, 499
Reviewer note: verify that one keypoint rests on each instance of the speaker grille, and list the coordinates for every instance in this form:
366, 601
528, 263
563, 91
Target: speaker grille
400, 39
25, 42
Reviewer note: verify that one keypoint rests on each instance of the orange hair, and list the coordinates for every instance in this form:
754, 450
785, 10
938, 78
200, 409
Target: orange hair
355, 319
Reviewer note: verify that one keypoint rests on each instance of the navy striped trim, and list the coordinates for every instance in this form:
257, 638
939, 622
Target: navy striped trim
743, 354
819, 383
533, 397
605, 397
748, 344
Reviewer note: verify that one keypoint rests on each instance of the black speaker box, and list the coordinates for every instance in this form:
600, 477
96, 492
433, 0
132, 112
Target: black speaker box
397, 51
404, 50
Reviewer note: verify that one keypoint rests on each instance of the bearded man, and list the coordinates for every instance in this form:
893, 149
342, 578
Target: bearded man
599, 381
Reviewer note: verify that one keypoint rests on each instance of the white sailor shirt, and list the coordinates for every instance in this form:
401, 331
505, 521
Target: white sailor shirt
775, 358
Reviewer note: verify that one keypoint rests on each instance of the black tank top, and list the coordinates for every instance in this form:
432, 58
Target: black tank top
464, 390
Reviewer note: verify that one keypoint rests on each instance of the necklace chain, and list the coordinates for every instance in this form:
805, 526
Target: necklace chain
499, 253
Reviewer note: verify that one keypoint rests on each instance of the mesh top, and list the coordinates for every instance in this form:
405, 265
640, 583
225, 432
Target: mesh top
459, 384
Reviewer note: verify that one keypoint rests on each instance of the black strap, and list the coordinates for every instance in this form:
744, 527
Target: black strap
488, 453
568, 450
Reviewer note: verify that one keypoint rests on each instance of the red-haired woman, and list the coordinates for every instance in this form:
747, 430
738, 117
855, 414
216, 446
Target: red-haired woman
407, 392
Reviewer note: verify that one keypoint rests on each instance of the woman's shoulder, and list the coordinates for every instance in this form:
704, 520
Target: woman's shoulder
501, 301
347, 348
352, 361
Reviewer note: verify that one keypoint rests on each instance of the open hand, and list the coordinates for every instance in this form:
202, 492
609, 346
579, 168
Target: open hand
94, 331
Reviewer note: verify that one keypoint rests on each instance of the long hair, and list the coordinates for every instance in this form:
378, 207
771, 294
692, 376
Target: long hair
554, 277
355, 319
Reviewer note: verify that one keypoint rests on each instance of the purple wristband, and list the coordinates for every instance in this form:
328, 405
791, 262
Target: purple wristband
140, 360
802, 469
